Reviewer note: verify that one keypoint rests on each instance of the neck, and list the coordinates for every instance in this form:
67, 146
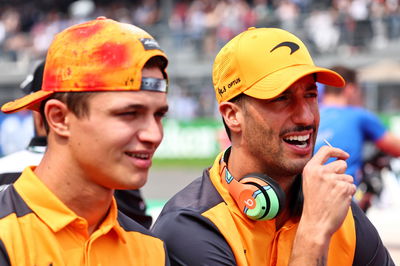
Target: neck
294, 202
74, 189
238, 166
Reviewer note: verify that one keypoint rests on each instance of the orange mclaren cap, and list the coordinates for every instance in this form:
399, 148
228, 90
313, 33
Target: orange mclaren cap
262, 63
98, 55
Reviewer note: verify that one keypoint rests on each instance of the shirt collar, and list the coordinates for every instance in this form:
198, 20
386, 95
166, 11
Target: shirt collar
111, 223
51, 210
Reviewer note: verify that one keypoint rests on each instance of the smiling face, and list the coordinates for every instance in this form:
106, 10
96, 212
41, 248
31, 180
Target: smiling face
114, 144
279, 134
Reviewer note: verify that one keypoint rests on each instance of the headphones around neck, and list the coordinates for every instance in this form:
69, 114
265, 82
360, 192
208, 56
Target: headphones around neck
258, 196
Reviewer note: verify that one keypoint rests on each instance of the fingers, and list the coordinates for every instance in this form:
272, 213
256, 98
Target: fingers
337, 167
336, 177
326, 152
327, 190
343, 183
345, 178
334, 170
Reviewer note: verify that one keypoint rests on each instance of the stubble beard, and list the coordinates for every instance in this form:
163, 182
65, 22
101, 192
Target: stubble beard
270, 154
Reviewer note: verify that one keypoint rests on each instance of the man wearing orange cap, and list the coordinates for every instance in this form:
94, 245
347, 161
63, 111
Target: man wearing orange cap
102, 100
129, 201
267, 200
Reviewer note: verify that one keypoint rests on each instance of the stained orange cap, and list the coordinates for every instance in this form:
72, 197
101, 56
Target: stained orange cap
262, 63
98, 55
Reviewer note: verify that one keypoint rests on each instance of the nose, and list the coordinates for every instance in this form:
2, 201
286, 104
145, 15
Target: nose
151, 131
304, 113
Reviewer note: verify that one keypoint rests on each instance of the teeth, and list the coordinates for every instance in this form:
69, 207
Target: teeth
298, 138
140, 156
302, 145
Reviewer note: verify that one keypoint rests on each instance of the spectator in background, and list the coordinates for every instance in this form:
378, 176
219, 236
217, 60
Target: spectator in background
177, 23
183, 105
360, 14
345, 124
348, 126
102, 101
147, 13
321, 31
16, 131
13, 164
234, 17
13, 42
130, 202
288, 13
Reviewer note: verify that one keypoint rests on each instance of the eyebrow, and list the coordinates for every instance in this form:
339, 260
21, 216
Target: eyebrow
139, 106
164, 108
312, 87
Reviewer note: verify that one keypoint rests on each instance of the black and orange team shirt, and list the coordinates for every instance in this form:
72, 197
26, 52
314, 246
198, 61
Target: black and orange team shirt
36, 228
202, 225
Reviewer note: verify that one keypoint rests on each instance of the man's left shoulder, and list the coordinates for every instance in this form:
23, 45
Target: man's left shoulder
130, 225
369, 247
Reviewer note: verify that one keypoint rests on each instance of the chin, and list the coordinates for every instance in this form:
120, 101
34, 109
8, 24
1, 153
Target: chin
297, 166
138, 180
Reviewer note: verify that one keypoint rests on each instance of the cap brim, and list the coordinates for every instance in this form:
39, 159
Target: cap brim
277, 82
30, 101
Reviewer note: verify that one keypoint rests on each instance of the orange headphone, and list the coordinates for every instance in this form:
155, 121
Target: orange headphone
258, 196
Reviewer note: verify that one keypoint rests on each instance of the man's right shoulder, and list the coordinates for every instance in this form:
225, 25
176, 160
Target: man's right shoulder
198, 196
190, 236
12, 207
11, 202
8, 178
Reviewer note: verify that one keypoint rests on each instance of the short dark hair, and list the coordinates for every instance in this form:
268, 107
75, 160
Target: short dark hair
349, 75
75, 101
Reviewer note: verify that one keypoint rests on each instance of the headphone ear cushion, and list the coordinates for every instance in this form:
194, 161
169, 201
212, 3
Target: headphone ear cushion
277, 189
270, 196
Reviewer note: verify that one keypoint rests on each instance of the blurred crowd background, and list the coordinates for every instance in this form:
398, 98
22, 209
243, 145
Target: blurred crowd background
329, 26
361, 33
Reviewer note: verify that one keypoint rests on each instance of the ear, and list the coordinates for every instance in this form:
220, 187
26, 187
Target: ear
232, 115
57, 116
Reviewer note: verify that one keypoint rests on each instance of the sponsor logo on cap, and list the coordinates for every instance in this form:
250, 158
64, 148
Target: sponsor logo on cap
293, 46
150, 44
230, 84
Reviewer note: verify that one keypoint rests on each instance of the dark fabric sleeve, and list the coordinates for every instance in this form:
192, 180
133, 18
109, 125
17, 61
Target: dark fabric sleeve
369, 247
167, 262
131, 203
193, 240
9, 178
4, 259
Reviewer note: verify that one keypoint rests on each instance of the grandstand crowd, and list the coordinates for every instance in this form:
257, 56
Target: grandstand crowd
27, 27
328, 27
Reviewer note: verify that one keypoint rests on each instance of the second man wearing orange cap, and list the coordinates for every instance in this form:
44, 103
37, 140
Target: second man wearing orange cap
102, 101
267, 200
